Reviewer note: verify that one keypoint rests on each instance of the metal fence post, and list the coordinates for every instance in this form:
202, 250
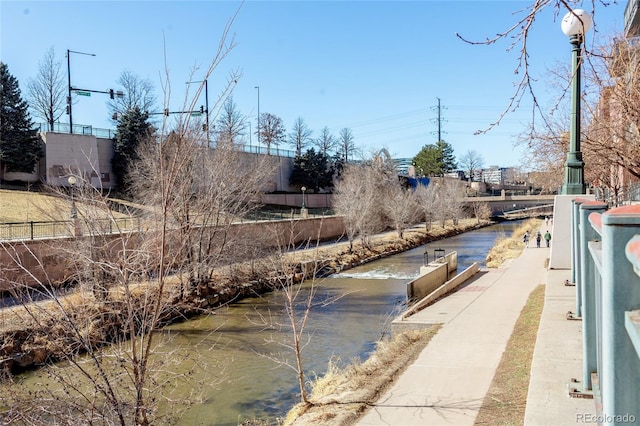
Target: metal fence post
620, 375
31, 230
588, 288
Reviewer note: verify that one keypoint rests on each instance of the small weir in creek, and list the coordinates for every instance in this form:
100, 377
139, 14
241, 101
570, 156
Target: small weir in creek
236, 346
347, 329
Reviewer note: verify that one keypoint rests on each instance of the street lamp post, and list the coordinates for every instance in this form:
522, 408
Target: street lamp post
303, 189
69, 103
303, 211
575, 25
72, 182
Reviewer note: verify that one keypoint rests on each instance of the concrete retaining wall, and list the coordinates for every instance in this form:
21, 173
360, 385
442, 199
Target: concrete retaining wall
432, 276
442, 290
403, 322
49, 260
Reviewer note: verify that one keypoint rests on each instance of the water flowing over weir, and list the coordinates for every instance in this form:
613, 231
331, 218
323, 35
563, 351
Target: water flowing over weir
235, 347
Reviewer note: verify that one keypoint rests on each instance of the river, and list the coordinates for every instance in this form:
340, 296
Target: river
239, 350
255, 386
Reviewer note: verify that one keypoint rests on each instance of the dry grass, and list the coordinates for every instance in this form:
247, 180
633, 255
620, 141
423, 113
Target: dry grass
341, 396
506, 399
511, 247
25, 206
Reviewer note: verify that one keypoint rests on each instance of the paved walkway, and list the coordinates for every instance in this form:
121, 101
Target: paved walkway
557, 360
449, 380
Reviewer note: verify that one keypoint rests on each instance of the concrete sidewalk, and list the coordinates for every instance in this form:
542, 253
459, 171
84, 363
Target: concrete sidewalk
557, 360
447, 383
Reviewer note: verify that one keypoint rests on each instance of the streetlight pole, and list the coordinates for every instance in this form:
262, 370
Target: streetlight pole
303, 210
575, 25
72, 182
258, 87
206, 105
69, 103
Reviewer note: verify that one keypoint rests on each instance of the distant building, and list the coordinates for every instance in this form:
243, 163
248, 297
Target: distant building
402, 165
498, 175
456, 174
632, 19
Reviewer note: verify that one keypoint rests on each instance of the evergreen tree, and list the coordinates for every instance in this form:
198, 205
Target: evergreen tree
435, 159
313, 170
133, 128
447, 158
20, 146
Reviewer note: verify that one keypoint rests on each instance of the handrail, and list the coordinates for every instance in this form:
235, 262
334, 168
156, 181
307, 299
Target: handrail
35, 230
609, 282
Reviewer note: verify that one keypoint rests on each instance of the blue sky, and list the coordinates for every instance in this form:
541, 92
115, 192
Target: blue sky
375, 67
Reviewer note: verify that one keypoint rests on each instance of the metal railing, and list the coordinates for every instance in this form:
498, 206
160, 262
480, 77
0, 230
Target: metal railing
17, 231
83, 129
34, 230
78, 129
606, 268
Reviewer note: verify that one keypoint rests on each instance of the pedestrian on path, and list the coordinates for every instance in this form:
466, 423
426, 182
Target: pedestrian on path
538, 238
547, 237
525, 239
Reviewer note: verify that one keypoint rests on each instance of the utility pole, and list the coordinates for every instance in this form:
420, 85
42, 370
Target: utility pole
439, 120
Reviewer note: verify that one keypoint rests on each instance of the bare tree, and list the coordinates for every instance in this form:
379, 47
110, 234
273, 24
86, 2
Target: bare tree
450, 195
326, 142
300, 136
612, 140
271, 131
350, 193
427, 198
547, 152
400, 206
47, 91
135, 271
481, 210
517, 35
138, 92
296, 283
470, 162
346, 144
609, 138
357, 197
231, 124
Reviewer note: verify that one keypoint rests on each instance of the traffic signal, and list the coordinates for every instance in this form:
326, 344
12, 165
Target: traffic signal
201, 109
166, 112
114, 116
111, 94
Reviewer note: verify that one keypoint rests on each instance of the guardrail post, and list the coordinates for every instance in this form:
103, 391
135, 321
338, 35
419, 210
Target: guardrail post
588, 288
620, 375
